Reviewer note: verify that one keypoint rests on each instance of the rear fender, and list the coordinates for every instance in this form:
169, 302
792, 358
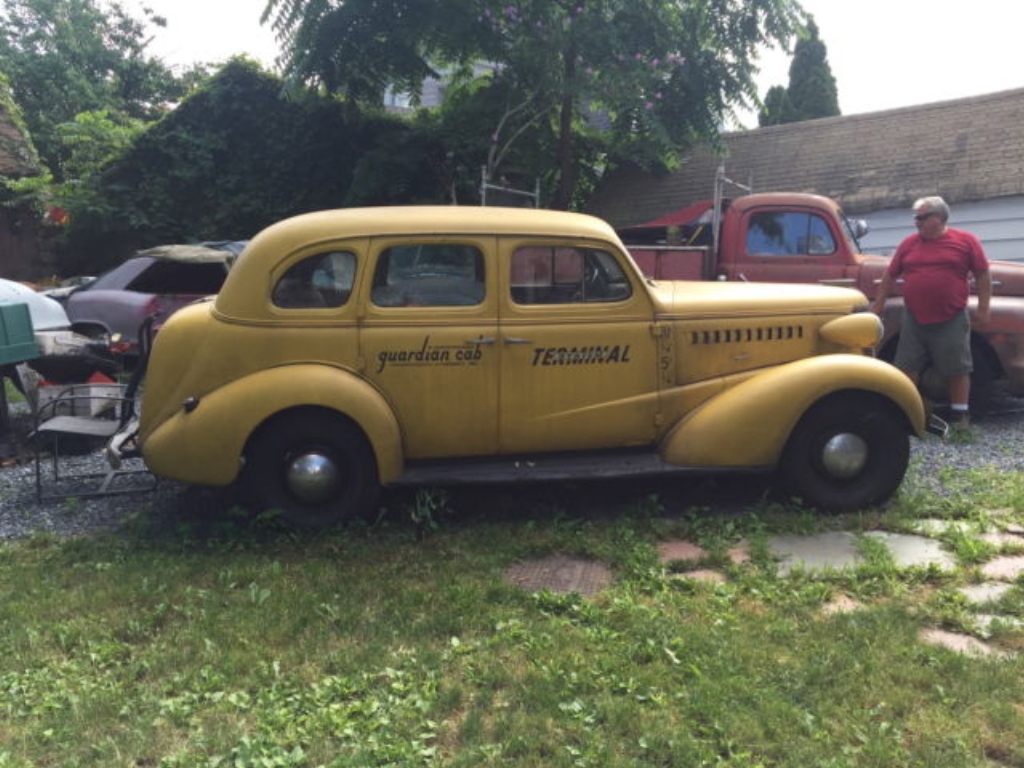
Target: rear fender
204, 444
749, 424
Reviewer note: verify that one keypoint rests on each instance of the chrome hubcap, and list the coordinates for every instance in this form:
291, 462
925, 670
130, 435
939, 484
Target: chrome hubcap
845, 455
312, 478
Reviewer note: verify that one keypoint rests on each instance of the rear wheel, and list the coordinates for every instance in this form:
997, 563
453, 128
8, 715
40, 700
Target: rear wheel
314, 467
849, 451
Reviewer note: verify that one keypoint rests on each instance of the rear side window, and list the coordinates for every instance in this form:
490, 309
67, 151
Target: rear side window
316, 282
429, 275
566, 275
166, 276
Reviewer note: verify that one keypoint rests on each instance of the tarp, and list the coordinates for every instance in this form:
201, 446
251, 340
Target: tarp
189, 253
692, 215
46, 313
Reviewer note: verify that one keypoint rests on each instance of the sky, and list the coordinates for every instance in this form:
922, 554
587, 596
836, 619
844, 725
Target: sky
884, 54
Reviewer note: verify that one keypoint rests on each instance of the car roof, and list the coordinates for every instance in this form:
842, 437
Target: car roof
278, 241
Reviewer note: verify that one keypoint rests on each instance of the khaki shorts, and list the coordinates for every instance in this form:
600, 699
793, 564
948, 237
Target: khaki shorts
946, 346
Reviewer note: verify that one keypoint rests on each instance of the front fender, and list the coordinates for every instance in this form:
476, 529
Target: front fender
749, 424
205, 445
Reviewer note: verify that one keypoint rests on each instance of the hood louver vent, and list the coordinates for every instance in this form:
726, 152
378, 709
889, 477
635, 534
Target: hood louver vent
745, 335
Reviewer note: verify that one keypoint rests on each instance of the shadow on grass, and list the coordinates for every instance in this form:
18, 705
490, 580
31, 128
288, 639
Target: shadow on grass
207, 516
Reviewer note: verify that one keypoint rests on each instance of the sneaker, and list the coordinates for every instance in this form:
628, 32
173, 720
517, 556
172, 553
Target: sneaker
960, 421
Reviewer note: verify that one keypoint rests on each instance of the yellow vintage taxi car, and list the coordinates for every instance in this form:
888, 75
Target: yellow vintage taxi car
353, 349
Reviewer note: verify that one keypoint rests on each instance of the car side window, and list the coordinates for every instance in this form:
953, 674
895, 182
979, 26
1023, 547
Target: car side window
566, 275
789, 234
316, 282
429, 275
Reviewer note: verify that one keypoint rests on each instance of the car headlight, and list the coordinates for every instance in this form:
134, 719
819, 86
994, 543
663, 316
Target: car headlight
860, 331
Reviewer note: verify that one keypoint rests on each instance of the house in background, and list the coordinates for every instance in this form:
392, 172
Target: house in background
21, 253
970, 151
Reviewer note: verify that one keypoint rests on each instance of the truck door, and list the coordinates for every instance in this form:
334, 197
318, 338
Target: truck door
789, 246
428, 341
579, 359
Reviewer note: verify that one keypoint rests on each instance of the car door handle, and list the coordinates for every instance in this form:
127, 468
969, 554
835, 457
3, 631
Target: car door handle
482, 340
517, 340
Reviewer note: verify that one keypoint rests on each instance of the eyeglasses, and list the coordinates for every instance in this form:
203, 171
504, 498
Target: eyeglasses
923, 216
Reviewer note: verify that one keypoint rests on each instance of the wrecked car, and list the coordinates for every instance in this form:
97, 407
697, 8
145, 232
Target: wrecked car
155, 282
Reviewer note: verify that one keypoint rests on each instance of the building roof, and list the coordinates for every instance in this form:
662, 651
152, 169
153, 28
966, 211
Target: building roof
965, 150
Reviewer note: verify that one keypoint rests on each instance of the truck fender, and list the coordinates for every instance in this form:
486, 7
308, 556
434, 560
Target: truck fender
749, 424
214, 432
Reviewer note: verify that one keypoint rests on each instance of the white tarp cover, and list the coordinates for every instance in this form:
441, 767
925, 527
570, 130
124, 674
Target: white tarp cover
46, 313
189, 253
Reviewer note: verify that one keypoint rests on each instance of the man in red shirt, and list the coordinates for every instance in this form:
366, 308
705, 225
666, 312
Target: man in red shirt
935, 265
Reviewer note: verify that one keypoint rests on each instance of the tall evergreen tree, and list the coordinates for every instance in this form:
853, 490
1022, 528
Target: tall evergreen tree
812, 91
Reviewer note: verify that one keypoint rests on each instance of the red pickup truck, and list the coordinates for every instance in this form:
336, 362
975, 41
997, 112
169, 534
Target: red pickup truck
801, 238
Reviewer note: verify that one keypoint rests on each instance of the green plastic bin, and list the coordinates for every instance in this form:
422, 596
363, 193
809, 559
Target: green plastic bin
17, 339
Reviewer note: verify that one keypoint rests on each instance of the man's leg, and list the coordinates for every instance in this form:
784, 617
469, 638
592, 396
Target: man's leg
959, 396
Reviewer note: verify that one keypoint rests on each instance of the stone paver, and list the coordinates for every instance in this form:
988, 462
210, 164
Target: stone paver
836, 549
840, 604
909, 550
1003, 539
703, 574
989, 621
678, 549
958, 642
936, 527
560, 573
1003, 568
988, 592
739, 554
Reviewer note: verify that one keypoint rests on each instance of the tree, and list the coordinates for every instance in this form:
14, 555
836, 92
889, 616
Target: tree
777, 108
67, 57
812, 89
234, 157
662, 73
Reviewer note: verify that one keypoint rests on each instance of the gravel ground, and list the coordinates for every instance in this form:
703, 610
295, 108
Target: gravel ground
997, 440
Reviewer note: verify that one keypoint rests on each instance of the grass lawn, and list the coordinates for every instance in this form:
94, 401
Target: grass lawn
401, 643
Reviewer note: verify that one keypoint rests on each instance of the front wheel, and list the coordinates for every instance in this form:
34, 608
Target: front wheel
313, 467
849, 451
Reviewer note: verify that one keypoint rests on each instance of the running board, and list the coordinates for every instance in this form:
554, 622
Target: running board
562, 466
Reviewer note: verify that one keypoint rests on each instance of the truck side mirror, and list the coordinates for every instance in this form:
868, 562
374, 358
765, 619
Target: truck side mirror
859, 228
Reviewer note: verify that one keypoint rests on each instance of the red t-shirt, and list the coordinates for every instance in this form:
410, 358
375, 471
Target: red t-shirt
934, 273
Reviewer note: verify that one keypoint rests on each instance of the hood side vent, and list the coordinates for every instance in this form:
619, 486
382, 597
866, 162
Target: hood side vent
746, 335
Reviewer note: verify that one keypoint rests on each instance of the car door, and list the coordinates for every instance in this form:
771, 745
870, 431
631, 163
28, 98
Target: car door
578, 356
428, 339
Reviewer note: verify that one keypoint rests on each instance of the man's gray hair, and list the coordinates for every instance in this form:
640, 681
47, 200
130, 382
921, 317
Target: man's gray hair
933, 204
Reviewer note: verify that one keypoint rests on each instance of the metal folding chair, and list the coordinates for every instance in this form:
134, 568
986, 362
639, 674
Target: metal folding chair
83, 413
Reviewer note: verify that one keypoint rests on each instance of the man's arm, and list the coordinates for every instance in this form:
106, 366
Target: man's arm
884, 289
983, 282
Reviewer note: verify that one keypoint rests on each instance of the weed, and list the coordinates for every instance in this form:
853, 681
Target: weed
427, 509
